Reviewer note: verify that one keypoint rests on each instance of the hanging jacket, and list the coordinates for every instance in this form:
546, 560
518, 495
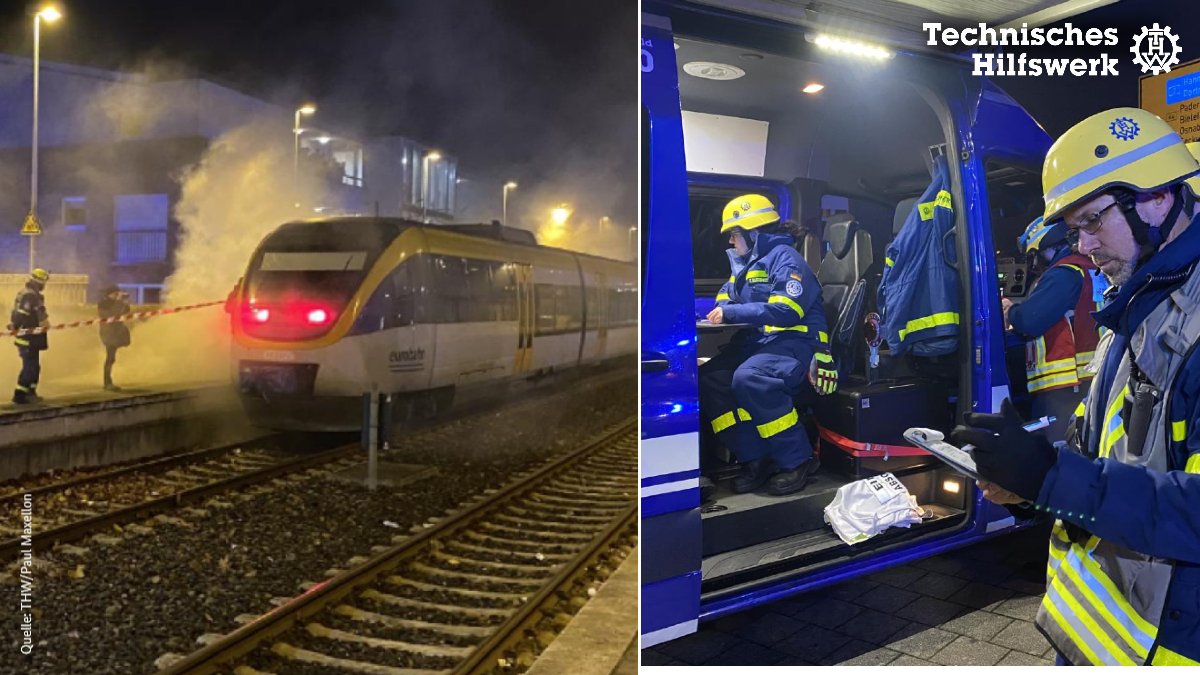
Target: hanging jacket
918, 293
1123, 580
29, 311
1057, 355
774, 290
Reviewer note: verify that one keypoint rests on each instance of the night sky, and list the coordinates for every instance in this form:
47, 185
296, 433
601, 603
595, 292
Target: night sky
539, 92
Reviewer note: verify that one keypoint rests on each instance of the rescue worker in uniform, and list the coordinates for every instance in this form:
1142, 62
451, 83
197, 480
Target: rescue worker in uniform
747, 389
113, 335
1056, 320
1123, 580
29, 311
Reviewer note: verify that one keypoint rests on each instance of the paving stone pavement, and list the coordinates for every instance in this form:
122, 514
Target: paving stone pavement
971, 607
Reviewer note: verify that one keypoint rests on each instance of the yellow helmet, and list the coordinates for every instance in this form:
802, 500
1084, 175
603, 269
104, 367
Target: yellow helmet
39, 275
1194, 181
748, 212
1122, 147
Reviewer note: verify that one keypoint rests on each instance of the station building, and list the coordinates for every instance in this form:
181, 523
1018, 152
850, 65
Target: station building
113, 147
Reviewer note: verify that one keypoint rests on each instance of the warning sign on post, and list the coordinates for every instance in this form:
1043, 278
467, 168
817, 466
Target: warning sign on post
1175, 97
31, 226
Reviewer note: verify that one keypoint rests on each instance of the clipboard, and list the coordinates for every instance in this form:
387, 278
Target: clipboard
934, 441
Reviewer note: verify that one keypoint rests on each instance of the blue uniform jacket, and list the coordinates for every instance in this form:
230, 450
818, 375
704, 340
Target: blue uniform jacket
1153, 512
919, 292
774, 289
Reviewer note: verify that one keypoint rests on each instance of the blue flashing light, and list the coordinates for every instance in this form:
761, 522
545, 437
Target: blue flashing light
684, 343
678, 407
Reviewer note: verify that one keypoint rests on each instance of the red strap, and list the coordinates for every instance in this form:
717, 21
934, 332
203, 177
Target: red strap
875, 448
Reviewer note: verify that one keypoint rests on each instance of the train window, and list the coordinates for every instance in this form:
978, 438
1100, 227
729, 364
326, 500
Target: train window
391, 305
559, 309
504, 292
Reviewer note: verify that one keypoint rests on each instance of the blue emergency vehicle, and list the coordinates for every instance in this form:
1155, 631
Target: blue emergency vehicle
905, 169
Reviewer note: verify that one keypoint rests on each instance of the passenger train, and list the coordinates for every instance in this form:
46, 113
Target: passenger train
724, 114
332, 308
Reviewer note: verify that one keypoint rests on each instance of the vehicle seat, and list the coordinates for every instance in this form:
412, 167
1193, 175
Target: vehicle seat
810, 249
846, 262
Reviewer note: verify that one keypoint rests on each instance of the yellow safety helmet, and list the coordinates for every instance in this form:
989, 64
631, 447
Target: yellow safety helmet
1194, 181
748, 212
1122, 147
39, 275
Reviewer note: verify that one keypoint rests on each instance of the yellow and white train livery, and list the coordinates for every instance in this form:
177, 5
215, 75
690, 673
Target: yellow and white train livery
332, 308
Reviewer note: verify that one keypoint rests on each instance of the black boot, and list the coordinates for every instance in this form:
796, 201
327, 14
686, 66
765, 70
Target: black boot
708, 489
752, 477
20, 397
791, 481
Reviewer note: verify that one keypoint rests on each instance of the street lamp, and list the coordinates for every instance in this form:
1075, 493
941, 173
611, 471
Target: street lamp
431, 156
605, 223
633, 242
49, 14
510, 185
306, 109
560, 214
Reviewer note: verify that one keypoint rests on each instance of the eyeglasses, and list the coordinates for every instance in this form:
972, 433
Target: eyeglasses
1091, 224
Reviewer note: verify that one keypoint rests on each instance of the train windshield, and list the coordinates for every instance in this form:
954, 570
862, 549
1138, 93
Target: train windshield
305, 273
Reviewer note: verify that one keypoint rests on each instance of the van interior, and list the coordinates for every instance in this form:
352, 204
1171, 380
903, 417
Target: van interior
851, 160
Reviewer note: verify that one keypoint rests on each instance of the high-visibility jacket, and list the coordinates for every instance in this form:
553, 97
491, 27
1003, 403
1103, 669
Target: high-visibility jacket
1058, 358
773, 289
1123, 576
29, 311
918, 295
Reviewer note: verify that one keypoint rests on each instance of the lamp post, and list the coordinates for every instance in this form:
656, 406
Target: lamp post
605, 223
431, 156
632, 242
306, 109
510, 185
50, 15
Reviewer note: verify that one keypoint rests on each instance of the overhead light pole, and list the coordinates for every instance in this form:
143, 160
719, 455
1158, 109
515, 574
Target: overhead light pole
306, 109
431, 156
49, 14
510, 185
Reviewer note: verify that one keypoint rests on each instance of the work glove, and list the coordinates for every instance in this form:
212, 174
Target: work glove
822, 374
1006, 454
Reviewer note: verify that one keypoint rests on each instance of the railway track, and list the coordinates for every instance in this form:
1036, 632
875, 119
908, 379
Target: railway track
461, 595
70, 510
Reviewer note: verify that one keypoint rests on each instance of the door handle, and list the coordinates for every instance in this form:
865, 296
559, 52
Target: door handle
654, 362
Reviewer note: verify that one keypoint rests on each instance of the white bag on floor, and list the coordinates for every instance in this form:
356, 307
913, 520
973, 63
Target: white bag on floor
864, 508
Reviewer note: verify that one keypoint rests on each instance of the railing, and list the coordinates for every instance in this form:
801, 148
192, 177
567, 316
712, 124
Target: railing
63, 290
141, 246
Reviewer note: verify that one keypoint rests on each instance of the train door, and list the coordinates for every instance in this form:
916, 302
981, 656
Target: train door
523, 359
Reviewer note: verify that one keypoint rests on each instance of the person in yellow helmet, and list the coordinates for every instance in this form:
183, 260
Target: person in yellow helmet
746, 391
1123, 581
29, 312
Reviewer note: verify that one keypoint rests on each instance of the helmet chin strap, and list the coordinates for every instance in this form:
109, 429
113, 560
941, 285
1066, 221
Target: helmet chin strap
1150, 237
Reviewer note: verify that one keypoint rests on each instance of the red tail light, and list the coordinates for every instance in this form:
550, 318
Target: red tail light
288, 320
260, 314
318, 317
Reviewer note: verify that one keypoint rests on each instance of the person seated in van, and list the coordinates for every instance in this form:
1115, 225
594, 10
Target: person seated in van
747, 390
1056, 320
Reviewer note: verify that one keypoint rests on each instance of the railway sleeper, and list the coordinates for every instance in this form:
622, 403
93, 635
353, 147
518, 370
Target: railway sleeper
451, 559
437, 651
532, 535
522, 544
509, 598
532, 510
564, 528
398, 601
288, 651
535, 555
411, 624
471, 577
576, 501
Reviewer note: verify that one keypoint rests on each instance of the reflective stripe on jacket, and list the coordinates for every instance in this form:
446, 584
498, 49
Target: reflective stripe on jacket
774, 290
1057, 359
1124, 570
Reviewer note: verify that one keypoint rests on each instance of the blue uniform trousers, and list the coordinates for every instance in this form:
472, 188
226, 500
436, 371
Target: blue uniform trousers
31, 370
746, 394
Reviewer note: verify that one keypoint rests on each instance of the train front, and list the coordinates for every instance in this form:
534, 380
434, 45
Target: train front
295, 316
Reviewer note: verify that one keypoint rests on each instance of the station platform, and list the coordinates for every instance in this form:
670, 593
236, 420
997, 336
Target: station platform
81, 425
602, 639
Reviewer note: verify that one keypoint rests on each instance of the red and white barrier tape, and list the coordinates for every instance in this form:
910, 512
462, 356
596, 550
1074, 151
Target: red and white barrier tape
112, 319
